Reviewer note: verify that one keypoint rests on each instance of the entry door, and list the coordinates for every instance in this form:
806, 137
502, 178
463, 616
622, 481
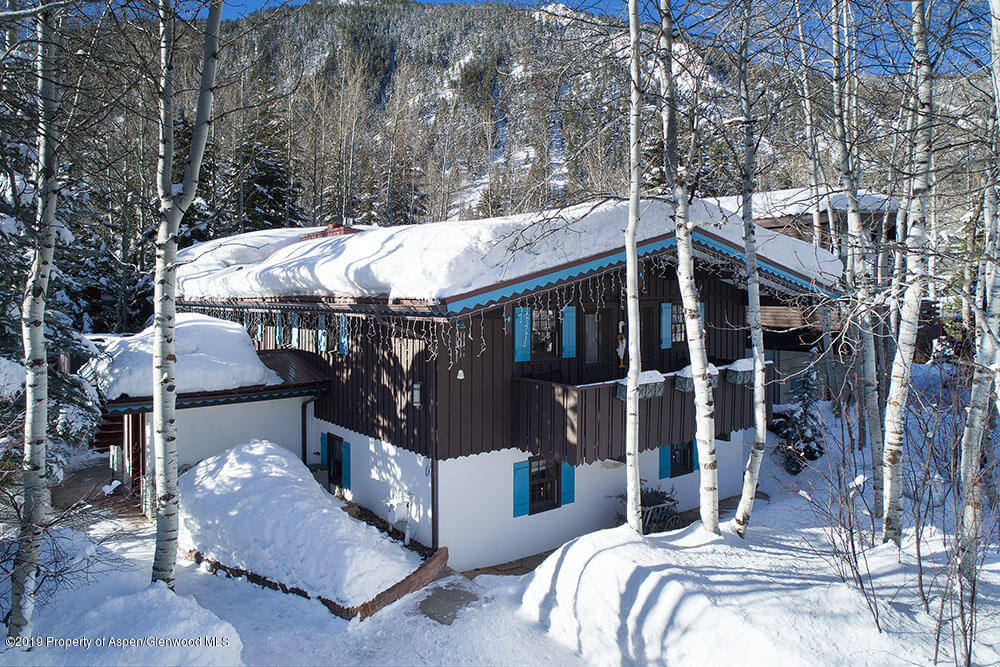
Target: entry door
334, 460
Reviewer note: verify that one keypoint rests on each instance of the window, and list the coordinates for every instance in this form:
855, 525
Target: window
543, 484
593, 334
681, 459
677, 323
544, 332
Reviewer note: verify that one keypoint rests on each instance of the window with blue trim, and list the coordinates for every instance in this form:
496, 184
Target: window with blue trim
681, 459
543, 484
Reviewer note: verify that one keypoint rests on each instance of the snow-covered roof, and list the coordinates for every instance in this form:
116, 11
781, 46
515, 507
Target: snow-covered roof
212, 355
799, 201
462, 263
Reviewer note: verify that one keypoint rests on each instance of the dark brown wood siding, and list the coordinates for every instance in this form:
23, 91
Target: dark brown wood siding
583, 424
371, 387
469, 401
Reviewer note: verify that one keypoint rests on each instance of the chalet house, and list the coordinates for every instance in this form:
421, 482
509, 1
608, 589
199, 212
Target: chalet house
474, 366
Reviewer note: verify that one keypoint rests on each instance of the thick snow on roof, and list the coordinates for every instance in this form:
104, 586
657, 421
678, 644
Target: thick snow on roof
257, 507
250, 248
212, 355
799, 201
443, 259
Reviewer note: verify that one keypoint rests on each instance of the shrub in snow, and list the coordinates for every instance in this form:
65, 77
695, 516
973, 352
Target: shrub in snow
212, 354
258, 508
798, 425
662, 519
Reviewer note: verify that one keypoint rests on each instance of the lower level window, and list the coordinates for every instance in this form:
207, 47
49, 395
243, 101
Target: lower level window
681, 459
543, 484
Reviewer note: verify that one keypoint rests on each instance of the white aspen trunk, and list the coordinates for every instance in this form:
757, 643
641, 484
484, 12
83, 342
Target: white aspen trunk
36, 383
812, 146
668, 92
986, 352
859, 262
895, 413
633, 505
752, 472
173, 204
703, 394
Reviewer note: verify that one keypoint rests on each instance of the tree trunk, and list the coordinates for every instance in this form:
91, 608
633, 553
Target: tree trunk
36, 382
752, 472
703, 393
859, 263
633, 504
895, 414
173, 205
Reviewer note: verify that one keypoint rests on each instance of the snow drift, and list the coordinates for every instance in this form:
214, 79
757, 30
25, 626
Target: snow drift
258, 508
11, 378
613, 597
438, 260
212, 355
114, 604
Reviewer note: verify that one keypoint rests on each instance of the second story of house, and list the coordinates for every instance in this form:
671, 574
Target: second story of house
456, 338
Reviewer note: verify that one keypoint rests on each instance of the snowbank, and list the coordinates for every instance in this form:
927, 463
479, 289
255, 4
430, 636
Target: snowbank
124, 624
799, 201
258, 508
442, 259
614, 598
112, 609
212, 355
11, 378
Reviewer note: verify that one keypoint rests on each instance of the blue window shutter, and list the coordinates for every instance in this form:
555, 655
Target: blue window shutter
322, 448
521, 488
567, 484
342, 344
279, 332
321, 334
666, 326
701, 313
246, 320
345, 457
522, 334
295, 329
694, 453
260, 328
664, 461
569, 332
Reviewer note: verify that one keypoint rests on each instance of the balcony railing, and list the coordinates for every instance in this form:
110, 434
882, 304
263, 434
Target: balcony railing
586, 423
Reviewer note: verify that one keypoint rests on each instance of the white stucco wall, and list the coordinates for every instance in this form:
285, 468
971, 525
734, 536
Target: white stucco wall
381, 471
206, 431
475, 503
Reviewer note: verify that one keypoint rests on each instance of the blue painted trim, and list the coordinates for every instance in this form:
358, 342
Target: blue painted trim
567, 484
664, 461
569, 332
762, 264
521, 473
522, 334
666, 326
342, 342
322, 448
345, 474
554, 277
321, 334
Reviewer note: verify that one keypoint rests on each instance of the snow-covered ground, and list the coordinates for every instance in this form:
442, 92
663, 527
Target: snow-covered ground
257, 507
609, 597
212, 354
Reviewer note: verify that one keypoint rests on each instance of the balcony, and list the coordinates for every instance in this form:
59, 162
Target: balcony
586, 423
